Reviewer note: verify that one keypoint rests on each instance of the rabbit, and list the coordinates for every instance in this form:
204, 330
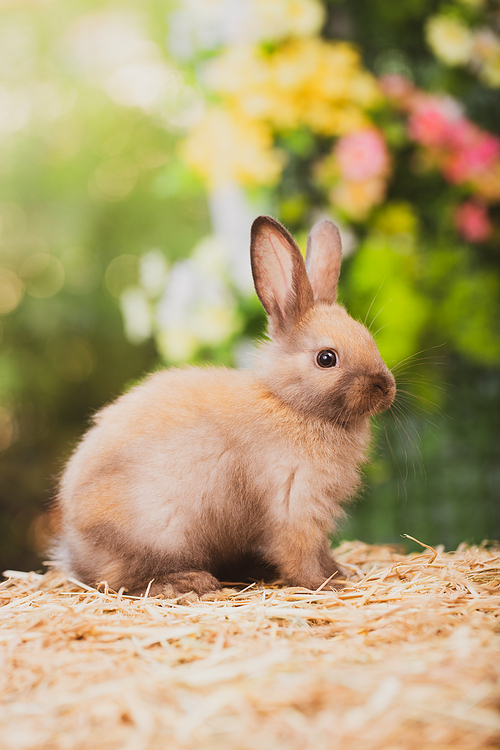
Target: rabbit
198, 469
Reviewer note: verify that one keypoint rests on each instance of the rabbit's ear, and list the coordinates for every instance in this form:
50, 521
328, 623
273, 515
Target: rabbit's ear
279, 273
324, 250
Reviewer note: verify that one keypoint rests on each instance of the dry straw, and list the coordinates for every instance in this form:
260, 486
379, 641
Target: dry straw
406, 657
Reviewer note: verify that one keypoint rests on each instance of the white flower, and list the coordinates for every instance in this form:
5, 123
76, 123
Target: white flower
198, 307
136, 314
486, 56
208, 24
450, 40
279, 19
153, 272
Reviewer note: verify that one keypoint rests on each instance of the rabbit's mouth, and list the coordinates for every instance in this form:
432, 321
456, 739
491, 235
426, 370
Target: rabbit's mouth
371, 394
381, 393
383, 399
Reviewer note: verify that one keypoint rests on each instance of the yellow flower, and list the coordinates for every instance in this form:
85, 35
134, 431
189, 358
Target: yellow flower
491, 71
327, 171
228, 147
304, 82
364, 89
449, 39
397, 218
177, 345
356, 199
214, 324
338, 121
486, 55
489, 185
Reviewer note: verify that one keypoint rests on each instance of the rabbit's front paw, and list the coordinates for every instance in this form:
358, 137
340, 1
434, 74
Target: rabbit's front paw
199, 582
331, 569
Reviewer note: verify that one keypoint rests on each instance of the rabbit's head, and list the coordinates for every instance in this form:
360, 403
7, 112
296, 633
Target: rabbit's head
319, 360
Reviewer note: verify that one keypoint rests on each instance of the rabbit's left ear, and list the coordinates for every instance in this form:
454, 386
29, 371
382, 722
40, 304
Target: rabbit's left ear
324, 250
279, 274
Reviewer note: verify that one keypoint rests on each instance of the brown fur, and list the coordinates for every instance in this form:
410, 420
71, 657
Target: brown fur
200, 475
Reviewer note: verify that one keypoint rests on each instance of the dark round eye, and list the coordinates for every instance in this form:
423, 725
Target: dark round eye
327, 358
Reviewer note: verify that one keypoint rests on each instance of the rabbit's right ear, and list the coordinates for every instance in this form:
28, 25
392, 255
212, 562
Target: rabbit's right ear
279, 273
323, 257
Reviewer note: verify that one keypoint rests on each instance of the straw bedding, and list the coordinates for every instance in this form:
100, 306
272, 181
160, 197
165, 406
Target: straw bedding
406, 657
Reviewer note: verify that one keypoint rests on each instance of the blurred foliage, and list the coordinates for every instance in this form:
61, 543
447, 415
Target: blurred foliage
106, 164
82, 185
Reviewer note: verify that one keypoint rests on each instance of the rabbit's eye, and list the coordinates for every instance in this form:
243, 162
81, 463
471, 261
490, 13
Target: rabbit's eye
327, 358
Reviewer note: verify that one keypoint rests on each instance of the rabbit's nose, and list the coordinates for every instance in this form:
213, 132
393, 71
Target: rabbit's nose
382, 383
384, 389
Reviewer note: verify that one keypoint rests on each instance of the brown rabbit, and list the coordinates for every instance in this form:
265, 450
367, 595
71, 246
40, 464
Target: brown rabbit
198, 470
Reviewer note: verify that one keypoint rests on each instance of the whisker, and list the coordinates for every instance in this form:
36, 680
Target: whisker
376, 316
403, 429
410, 424
379, 329
417, 400
396, 463
416, 354
417, 363
416, 359
421, 463
422, 380
421, 410
416, 396
371, 304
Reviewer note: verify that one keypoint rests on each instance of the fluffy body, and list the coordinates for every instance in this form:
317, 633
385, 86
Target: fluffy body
196, 471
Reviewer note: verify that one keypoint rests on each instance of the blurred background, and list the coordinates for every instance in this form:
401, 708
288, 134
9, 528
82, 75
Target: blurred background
138, 140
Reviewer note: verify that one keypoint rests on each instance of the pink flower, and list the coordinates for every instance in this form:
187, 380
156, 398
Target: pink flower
397, 87
463, 153
362, 155
473, 159
433, 121
358, 198
472, 221
463, 133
